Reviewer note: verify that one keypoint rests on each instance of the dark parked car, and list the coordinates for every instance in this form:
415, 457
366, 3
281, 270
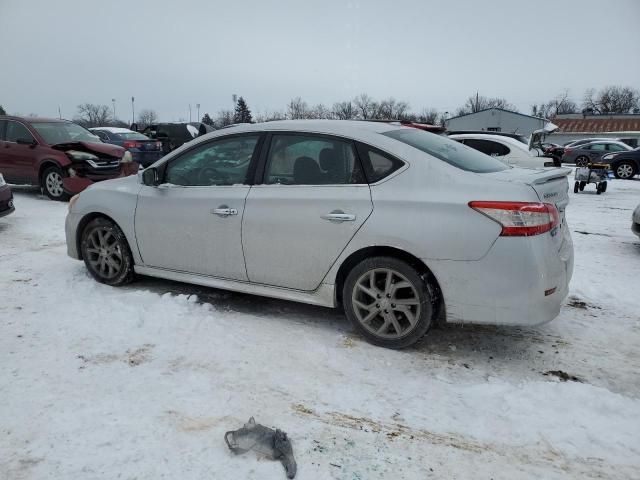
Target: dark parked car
171, 135
143, 150
6, 198
625, 164
59, 156
592, 152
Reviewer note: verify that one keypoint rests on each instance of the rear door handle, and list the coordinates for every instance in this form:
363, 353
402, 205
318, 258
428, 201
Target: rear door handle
224, 211
338, 217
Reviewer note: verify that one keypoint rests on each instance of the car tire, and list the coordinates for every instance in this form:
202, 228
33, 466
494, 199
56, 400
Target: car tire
51, 184
384, 313
576, 187
603, 186
106, 252
582, 161
625, 170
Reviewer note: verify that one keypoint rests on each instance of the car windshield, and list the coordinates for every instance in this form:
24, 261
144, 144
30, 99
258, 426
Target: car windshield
447, 150
63, 132
132, 136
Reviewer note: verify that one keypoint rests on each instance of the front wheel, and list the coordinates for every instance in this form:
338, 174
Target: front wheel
388, 302
625, 170
51, 183
106, 252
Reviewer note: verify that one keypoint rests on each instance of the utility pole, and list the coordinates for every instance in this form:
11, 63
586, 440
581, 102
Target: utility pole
133, 111
189, 113
198, 107
114, 108
476, 101
59, 113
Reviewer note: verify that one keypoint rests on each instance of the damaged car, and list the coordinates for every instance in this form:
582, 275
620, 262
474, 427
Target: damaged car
59, 156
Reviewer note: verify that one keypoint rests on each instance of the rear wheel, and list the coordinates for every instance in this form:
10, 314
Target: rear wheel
576, 187
51, 183
106, 252
603, 186
388, 302
582, 161
625, 170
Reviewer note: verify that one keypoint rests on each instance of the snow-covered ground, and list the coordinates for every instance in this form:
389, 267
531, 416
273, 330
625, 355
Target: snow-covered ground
142, 382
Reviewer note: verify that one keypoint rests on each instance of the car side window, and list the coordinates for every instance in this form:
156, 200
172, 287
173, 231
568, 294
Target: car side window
612, 147
15, 131
3, 124
312, 160
488, 147
598, 147
220, 162
101, 134
377, 164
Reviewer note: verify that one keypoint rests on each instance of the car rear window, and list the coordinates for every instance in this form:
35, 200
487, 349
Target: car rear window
447, 150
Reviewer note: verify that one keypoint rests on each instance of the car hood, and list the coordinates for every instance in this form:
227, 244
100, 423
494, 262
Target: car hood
92, 147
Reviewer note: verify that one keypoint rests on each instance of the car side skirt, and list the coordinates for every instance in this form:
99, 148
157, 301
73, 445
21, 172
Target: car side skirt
323, 296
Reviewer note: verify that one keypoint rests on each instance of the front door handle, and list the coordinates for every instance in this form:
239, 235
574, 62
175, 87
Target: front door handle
338, 216
224, 211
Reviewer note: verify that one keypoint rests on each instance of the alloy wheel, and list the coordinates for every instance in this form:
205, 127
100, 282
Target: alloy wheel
104, 252
582, 162
386, 303
53, 182
624, 171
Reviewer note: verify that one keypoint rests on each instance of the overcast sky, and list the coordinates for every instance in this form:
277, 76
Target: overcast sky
429, 53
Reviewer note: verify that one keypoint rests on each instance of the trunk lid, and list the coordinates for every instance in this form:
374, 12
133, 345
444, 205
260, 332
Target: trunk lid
538, 136
550, 184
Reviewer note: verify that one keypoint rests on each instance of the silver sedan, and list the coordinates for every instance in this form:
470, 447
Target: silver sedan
396, 225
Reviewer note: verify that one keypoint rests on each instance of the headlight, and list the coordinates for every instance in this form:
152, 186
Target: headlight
2, 182
78, 155
73, 201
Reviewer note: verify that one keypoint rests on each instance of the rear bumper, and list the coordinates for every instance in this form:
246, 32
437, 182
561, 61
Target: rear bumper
6, 201
511, 285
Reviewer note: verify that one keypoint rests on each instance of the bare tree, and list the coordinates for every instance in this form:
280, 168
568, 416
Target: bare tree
476, 103
428, 115
344, 110
93, 115
297, 109
561, 104
269, 116
224, 118
612, 99
365, 105
146, 117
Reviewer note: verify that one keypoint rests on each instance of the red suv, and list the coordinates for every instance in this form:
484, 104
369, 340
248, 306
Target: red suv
61, 157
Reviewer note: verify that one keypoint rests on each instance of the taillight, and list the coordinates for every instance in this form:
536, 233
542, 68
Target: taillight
520, 219
568, 150
131, 144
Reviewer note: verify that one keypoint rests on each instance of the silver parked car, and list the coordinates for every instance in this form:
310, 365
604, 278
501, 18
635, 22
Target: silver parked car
394, 224
592, 152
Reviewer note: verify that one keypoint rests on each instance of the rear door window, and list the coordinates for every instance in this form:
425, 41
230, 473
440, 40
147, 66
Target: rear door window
488, 147
447, 150
301, 159
377, 164
3, 124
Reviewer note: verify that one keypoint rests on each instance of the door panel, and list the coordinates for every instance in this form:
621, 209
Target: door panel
177, 229
286, 240
193, 221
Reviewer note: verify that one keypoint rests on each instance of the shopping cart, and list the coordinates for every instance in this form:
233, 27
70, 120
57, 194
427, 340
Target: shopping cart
597, 173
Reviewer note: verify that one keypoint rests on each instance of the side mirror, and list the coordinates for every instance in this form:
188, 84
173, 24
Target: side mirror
150, 177
26, 141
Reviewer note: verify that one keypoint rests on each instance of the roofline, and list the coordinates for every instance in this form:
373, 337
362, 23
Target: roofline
615, 132
502, 110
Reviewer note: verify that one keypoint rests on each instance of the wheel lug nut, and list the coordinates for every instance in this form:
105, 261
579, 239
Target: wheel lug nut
386, 311
393, 305
388, 295
379, 296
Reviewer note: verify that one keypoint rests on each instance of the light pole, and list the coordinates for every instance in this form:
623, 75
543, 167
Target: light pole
133, 111
114, 108
189, 113
198, 107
